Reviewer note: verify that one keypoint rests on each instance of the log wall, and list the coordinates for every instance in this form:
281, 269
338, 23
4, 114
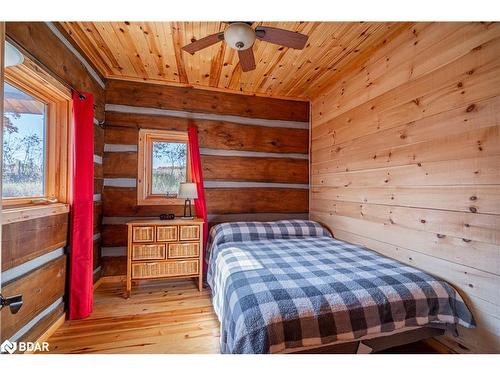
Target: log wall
254, 155
34, 253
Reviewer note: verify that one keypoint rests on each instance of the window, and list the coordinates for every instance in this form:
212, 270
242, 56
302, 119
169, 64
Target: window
169, 167
23, 144
35, 137
163, 165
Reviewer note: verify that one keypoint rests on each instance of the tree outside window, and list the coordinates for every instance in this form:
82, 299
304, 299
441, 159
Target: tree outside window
169, 167
23, 172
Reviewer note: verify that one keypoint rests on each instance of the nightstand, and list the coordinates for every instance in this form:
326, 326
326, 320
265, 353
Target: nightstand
164, 249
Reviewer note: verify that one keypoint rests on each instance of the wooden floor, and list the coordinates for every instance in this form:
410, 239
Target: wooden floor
160, 317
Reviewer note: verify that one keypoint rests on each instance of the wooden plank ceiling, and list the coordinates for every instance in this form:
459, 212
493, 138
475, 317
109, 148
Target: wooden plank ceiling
151, 51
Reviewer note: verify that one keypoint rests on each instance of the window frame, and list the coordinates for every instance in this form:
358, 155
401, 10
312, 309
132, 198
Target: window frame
32, 80
145, 196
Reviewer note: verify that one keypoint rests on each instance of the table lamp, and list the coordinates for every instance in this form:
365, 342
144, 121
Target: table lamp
188, 191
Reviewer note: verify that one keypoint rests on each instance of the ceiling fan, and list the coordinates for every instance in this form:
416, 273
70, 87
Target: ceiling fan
241, 37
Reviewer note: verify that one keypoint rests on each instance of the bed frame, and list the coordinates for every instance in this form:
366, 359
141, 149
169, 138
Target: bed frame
376, 344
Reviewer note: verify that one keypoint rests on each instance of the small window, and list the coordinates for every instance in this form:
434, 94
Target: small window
169, 167
163, 165
24, 144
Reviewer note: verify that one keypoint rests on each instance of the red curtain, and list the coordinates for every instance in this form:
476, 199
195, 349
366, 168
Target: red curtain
82, 208
197, 176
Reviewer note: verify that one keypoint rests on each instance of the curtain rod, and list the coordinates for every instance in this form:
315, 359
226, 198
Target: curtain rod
50, 71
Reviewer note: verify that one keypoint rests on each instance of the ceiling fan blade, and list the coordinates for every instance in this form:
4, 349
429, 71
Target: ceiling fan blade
202, 43
282, 37
247, 60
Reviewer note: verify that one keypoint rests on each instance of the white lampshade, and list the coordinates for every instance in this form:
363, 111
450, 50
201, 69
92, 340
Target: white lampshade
187, 190
239, 36
12, 55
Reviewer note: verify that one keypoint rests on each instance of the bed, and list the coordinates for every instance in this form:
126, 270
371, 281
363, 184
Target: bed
289, 286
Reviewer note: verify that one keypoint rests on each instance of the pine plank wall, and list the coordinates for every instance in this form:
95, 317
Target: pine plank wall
34, 252
254, 156
405, 160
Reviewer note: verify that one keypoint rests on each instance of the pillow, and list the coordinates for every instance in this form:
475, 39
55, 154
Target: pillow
270, 230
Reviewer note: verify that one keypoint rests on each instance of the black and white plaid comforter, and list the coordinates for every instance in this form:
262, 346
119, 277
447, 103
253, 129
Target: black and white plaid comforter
289, 284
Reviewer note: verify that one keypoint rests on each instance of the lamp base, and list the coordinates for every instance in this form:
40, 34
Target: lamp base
187, 205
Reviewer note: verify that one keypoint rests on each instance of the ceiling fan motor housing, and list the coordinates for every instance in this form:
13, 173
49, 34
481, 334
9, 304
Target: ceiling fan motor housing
239, 36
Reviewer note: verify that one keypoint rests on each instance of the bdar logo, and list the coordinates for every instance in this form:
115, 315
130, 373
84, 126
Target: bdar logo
8, 347
24, 346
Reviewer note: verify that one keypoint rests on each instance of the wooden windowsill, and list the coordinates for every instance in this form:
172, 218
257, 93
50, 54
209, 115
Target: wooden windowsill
33, 211
157, 201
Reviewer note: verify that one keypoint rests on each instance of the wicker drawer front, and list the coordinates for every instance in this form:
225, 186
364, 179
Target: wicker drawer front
143, 234
166, 233
161, 269
183, 250
148, 252
189, 232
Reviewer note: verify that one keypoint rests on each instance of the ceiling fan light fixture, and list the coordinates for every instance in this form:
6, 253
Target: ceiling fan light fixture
239, 36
